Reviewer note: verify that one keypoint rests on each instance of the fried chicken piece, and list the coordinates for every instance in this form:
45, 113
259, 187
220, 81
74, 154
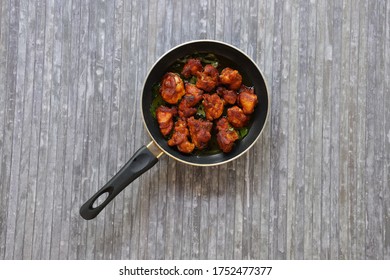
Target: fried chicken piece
185, 110
192, 90
213, 106
164, 117
190, 99
172, 88
226, 135
180, 137
208, 79
192, 67
247, 99
236, 117
199, 132
230, 96
231, 78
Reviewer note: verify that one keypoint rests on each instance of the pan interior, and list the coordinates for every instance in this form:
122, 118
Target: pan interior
230, 56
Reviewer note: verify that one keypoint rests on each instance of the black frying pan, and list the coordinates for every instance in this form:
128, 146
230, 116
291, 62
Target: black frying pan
147, 156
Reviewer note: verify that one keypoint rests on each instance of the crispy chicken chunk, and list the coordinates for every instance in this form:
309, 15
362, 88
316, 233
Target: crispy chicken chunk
192, 90
247, 99
230, 96
213, 106
200, 132
164, 117
231, 78
180, 137
226, 135
192, 67
236, 117
208, 79
172, 88
190, 99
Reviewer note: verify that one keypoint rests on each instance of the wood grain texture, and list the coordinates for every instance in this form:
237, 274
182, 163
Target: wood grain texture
316, 185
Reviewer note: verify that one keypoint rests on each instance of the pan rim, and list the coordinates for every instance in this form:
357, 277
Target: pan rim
223, 161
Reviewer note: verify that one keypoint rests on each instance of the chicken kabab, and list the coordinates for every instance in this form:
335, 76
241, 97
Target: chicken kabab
231, 78
208, 78
226, 135
247, 99
180, 137
230, 96
191, 68
199, 132
172, 88
164, 117
213, 106
190, 99
236, 117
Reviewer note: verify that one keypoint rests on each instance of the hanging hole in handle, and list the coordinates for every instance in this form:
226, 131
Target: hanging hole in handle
98, 201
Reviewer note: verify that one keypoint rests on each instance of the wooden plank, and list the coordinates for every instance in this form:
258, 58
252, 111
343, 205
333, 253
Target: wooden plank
335, 131
361, 137
318, 130
194, 212
230, 193
325, 209
386, 180
276, 131
208, 180
382, 152
9, 159
42, 110
344, 191
309, 137
352, 129
379, 162
65, 136
179, 217
20, 143
210, 252
292, 135
50, 168
265, 28
4, 193
299, 222
31, 116
374, 241
285, 25
176, 23
60, 221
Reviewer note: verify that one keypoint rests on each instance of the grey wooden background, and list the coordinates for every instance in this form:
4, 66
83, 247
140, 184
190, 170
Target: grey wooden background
315, 186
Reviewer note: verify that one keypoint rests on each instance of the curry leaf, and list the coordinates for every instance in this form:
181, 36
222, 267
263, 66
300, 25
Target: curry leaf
201, 113
243, 132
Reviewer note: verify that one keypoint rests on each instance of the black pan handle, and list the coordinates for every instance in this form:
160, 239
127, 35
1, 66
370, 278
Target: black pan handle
142, 160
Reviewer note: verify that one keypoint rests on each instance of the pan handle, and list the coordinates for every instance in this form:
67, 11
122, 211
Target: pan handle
144, 159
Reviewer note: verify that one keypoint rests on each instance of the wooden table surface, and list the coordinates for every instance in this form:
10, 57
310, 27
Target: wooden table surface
316, 185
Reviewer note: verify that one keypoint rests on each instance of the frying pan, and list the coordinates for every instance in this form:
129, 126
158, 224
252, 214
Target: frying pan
147, 156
